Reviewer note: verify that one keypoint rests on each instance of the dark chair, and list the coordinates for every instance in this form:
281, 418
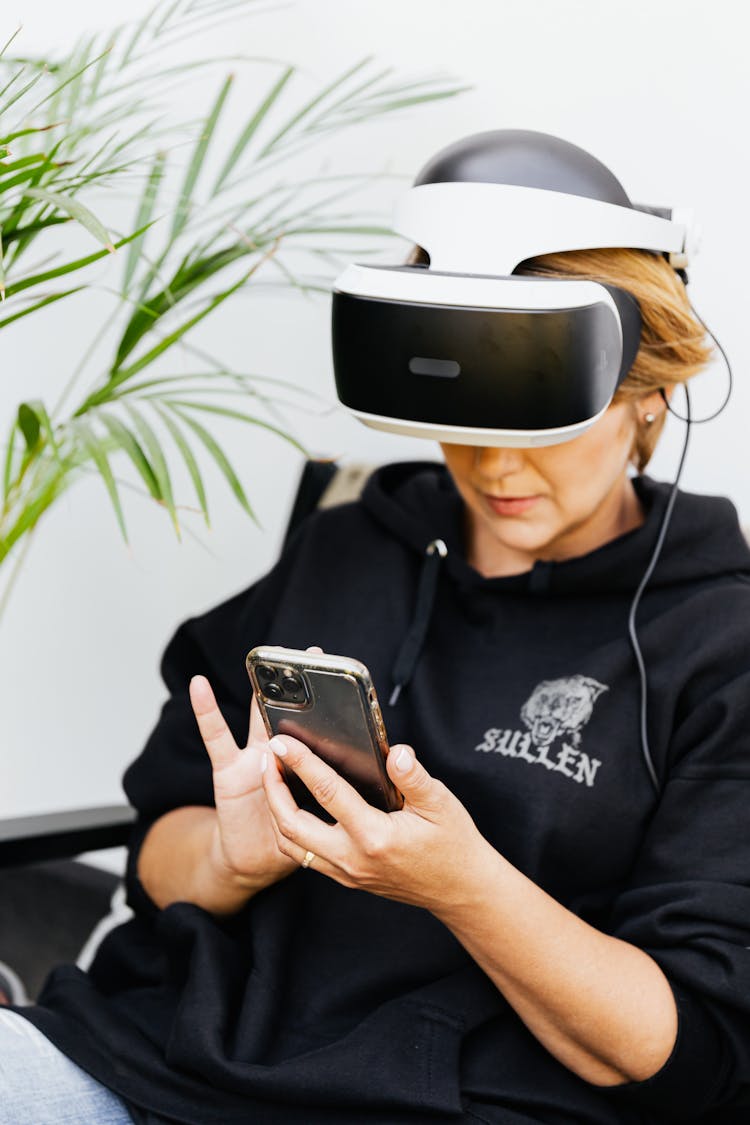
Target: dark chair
53, 906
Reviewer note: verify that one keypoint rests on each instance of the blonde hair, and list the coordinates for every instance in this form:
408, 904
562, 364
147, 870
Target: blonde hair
673, 345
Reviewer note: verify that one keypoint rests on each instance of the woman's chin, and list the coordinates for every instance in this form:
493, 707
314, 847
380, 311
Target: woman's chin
520, 533
524, 549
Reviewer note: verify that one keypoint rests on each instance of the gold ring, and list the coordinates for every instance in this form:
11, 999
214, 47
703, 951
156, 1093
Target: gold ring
309, 857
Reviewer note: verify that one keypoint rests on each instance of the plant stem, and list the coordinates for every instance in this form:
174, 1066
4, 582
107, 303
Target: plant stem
18, 563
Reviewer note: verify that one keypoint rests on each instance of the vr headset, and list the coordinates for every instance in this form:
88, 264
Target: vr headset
465, 351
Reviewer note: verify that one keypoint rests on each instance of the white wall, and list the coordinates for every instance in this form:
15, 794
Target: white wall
651, 89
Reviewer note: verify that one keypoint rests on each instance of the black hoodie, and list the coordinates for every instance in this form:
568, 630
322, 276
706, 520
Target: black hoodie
318, 1004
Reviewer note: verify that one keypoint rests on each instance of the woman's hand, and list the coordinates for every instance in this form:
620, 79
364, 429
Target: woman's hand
245, 843
418, 855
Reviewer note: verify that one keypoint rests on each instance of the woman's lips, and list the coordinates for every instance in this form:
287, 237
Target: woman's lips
510, 505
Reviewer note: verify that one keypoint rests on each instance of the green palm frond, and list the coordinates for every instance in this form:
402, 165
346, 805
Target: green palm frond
99, 456
218, 455
187, 456
150, 442
130, 445
92, 121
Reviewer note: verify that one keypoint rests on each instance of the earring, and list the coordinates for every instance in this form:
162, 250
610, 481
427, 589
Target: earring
649, 418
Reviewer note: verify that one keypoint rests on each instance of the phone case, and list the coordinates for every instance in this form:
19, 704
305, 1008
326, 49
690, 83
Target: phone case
330, 704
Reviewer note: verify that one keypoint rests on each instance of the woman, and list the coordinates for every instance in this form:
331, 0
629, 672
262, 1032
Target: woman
536, 936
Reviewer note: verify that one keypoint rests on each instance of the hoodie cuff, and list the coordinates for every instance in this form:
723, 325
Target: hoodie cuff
689, 1082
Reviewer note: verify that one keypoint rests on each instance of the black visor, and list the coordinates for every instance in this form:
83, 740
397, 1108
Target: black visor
481, 368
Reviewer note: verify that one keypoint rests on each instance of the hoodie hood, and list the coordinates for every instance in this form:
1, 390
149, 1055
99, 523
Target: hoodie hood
418, 503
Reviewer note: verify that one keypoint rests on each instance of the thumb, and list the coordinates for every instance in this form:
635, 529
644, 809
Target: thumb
420, 789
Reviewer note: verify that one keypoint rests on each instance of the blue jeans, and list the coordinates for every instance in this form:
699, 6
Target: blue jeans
41, 1086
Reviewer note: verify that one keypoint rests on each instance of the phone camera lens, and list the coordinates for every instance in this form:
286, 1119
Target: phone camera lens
265, 673
293, 685
273, 691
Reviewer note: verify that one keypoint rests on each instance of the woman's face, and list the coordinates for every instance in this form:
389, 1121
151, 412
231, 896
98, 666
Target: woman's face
549, 502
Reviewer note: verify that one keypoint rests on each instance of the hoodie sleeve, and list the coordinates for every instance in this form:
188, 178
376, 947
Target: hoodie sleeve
174, 769
687, 904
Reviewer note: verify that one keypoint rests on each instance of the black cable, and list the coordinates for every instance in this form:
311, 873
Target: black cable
730, 379
689, 421
637, 597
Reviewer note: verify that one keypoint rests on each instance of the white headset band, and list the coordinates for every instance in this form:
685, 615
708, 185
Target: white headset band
490, 228
425, 287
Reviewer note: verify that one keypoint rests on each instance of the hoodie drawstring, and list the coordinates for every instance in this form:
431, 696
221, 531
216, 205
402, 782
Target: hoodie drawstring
411, 645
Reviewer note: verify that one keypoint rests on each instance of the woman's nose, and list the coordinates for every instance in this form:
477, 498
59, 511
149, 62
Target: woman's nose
495, 461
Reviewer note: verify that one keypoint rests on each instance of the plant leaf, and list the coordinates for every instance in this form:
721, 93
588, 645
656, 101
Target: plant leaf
227, 412
247, 383
32, 229
29, 175
182, 284
49, 488
8, 42
128, 443
22, 161
53, 94
166, 17
47, 428
187, 454
39, 304
69, 267
35, 177
307, 109
199, 153
158, 462
99, 457
100, 70
123, 375
143, 219
140, 29
27, 132
250, 129
29, 425
76, 210
19, 93
219, 457
10, 451
11, 82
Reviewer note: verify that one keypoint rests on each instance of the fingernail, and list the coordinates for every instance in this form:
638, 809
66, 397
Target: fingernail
277, 746
263, 762
403, 760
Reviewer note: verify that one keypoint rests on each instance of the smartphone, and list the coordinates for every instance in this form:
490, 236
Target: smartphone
329, 703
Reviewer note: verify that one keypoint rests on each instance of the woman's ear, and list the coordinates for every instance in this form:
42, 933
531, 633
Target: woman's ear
652, 405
